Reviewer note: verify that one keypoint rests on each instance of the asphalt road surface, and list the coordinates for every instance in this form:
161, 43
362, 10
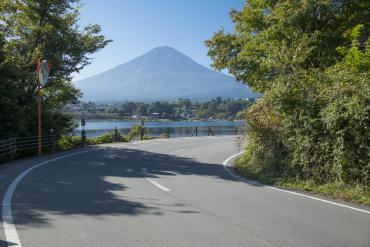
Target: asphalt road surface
168, 192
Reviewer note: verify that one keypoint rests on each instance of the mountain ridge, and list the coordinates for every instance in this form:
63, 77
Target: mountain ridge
162, 73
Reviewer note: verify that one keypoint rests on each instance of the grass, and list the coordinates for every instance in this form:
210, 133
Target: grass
335, 190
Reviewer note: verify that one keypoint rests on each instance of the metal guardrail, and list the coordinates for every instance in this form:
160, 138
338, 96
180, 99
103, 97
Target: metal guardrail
176, 131
11, 147
210, 132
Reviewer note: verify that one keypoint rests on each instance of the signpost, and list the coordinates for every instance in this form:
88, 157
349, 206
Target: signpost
83, 132
42, 70
142, 130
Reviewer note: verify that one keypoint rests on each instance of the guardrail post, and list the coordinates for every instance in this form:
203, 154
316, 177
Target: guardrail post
52, 143
195, 131
142, 130
115, 134
210, 132
83, 138
12, 148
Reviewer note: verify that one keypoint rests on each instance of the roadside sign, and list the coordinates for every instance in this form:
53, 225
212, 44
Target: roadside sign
43, 69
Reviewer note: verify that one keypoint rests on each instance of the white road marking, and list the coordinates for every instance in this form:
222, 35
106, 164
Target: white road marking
154, 182
179, 150
225, 164
10, 230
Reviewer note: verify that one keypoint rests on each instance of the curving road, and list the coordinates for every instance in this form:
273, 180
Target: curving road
170, 192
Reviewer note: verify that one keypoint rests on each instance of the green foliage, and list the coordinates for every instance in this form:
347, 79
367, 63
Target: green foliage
276, 38
68, 142
265, 128
336, 189
48, 29
135, 132
311, 61
107, 138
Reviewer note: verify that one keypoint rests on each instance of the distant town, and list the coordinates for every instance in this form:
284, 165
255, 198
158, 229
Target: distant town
181, 109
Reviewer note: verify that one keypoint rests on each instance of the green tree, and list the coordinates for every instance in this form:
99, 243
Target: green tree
306, 59
277, 38
47, 29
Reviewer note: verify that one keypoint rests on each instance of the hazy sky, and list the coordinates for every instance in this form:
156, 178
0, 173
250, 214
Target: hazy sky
137, 26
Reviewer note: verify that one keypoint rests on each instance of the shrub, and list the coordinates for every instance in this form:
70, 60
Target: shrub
134, 132
68, 142
265, 150
317, 130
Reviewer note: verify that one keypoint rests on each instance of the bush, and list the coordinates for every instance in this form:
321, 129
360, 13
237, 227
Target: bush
265, 151
107, 138
134, 132
315, 131
68, 142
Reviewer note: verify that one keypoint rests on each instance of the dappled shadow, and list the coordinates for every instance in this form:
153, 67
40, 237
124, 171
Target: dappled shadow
91, 185
6, 243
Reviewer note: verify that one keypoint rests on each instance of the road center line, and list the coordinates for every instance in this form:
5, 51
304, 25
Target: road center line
10, 230
232, 173
178, 150
161, 187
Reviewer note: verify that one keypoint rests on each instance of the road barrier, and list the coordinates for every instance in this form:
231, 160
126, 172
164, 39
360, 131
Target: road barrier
14, 146
237, 130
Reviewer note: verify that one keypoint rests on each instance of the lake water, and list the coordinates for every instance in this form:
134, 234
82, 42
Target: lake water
156, 128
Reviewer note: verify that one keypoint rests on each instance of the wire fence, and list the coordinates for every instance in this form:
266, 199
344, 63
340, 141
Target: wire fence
15, 147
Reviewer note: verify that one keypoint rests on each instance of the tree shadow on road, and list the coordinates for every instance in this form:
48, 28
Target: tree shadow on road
6, 243
91, 185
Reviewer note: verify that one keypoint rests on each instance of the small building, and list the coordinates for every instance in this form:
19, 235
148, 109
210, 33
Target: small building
155, 115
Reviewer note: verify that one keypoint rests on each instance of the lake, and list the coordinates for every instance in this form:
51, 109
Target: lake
95, 128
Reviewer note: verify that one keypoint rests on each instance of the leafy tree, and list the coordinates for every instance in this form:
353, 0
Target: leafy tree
32, 29
129, 107
277, 38
306, 58
142, 109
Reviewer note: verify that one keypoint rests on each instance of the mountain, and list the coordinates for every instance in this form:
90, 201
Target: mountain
160, 74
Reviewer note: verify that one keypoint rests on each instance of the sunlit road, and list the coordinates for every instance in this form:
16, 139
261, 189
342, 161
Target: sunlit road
168, 192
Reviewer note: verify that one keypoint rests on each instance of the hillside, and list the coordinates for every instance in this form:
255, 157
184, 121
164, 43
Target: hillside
160, 74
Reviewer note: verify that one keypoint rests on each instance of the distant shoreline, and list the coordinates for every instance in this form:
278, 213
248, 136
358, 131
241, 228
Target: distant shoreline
156, 120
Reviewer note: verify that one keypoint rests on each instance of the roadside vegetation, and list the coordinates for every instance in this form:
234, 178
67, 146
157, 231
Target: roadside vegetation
310, 60
32, 29
69, 142
182, 109
334, 189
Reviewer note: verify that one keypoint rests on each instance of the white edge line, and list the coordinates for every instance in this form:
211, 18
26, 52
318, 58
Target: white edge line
232, 173
10, 229
161, 187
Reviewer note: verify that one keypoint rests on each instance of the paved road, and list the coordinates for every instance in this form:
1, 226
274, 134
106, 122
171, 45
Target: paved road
172, 192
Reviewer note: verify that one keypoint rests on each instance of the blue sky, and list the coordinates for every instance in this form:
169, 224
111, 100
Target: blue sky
137, 26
